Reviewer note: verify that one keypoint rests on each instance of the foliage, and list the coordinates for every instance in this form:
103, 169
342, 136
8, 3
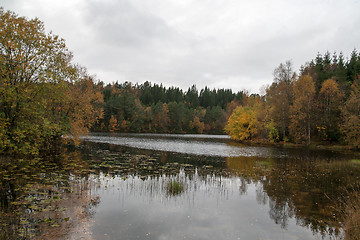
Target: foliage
322, 103
279, 97
351, 115
301, 110
273, 133
43, 95
242, 124
329, 99
154, 108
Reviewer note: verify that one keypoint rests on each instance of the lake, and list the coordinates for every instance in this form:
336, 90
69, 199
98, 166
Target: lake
163, 186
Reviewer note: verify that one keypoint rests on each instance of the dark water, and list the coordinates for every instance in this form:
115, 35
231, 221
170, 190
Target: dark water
228, 190
149, 186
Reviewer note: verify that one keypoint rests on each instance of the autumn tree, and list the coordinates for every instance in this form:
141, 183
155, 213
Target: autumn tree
37, 84
198, 125
279, 98
161, 119
113, 124
284, 72
231, 106
242, 124
351, 115
301, 110
329, 99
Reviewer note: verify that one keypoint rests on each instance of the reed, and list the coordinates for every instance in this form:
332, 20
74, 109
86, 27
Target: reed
174, 187
352, 217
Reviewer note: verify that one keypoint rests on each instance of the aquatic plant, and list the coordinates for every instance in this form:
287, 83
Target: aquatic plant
174, 187
43, 198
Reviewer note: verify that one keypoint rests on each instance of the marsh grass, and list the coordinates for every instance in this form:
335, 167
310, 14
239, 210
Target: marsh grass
355, 161
175, 188
352, 217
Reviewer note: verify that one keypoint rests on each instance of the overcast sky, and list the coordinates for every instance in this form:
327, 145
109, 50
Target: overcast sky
219, 43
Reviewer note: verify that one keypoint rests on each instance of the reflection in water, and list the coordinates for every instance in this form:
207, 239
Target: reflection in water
44, 198
307, 189
210, 207
150, 194
272, 198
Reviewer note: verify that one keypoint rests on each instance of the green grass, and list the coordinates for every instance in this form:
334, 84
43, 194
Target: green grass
174, 187
355, 161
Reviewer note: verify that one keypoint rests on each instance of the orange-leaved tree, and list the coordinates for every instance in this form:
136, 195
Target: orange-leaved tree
301, 110
329, 99
42, 94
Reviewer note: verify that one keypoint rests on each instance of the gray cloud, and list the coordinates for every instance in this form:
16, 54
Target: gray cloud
232, 43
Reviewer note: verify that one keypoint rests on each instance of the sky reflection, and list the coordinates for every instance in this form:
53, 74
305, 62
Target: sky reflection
184, 145
209, 208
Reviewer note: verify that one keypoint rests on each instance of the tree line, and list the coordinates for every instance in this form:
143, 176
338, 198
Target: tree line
153, 108
45, 97
321, 104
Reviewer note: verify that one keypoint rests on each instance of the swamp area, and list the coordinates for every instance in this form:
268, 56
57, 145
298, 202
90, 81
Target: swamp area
168, 186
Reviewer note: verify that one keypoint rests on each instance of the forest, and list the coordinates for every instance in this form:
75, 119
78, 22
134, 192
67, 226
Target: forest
320, 105
44, 96
152, 108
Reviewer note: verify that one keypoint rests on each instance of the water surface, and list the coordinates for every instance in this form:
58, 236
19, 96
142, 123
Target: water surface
228, 191
151, 186
207, 145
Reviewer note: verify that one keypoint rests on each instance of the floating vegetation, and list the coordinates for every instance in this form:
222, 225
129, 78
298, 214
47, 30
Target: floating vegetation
41, 194
48, 198
126, 164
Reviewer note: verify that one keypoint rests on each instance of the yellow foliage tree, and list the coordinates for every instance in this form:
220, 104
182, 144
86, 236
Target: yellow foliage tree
242, 124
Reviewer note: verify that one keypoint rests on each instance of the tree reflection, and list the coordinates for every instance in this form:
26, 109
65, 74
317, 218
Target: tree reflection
243, 186
308, 189
43, 196
280, 212
261, 196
